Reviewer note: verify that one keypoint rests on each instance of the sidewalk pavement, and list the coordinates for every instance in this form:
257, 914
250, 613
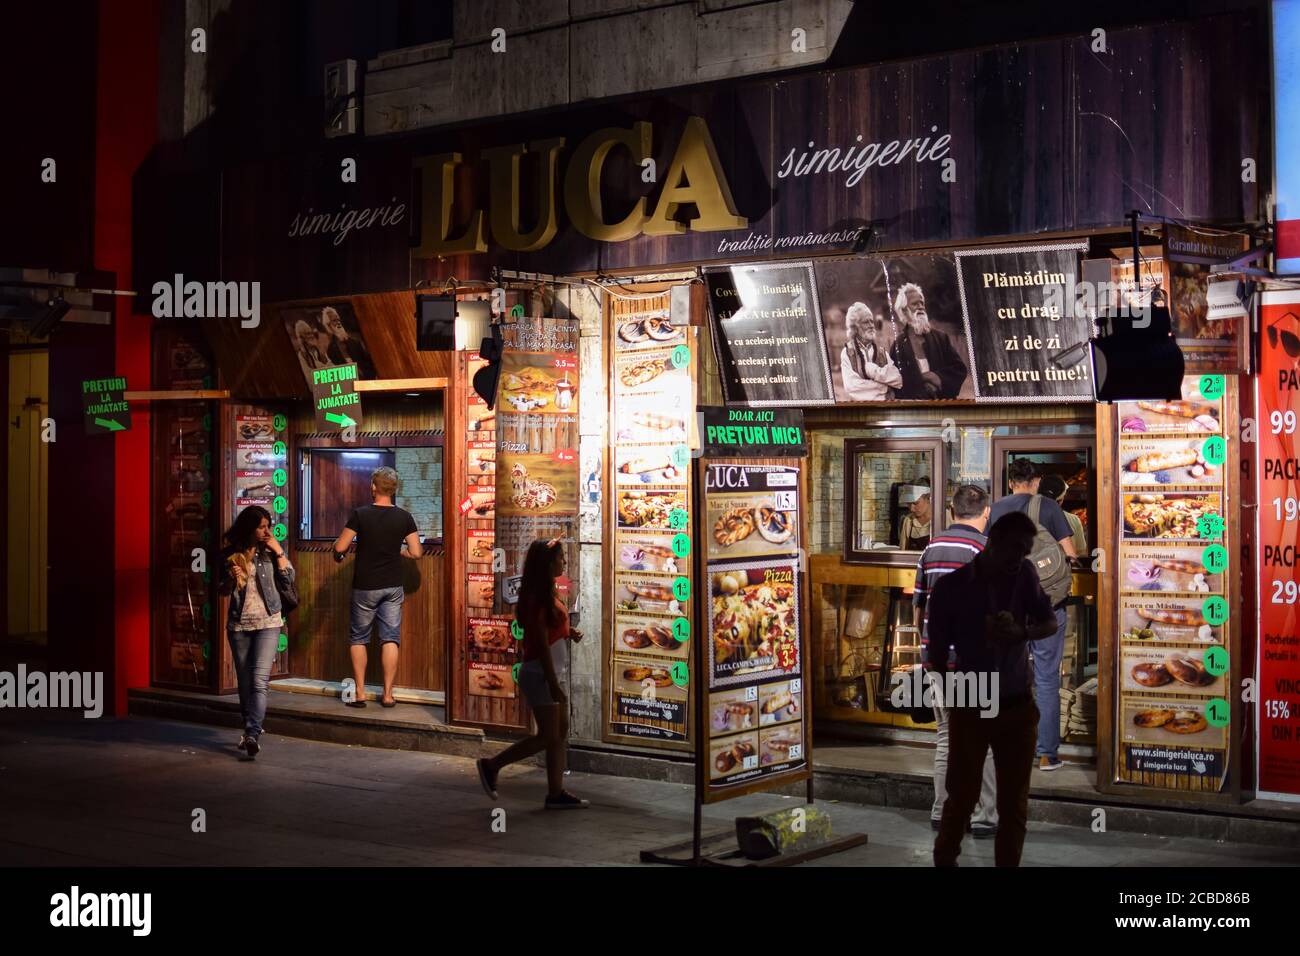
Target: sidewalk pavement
122, 792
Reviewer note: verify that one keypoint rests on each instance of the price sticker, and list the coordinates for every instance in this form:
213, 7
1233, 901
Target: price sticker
280, 531
279, 477
1215, 558
796, 686
681, 545
1215, 610
279, 504
681, 456
677, 519
681, 356
784, 500
278, 423
1215, 450
682, 589
516, 631
789, 657
751, 763
466, 505
796, 751
205, 499
207, 649
751, 693
1209, 526
681, 629
282, 644
279, 448
681, 673
1216, 661
514, 673
1212, 386
1216, 712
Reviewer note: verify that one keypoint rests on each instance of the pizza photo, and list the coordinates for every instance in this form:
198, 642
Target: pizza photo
1174, 516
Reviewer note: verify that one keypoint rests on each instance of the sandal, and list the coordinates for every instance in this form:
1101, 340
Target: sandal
566, 801
388, 703
355, 703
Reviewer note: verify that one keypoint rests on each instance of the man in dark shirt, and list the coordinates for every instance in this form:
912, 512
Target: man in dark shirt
986, 612
927, 361
954, 547
1023, 480
381, 531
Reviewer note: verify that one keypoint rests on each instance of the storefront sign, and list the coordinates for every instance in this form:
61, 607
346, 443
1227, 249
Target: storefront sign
104, 403
753, 433
768, 335
1021, 326
334, 398
1173, 683
1279, 544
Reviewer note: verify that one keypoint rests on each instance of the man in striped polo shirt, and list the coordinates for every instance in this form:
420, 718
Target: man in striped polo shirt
955, 546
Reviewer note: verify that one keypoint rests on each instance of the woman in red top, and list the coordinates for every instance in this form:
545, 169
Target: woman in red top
545, 621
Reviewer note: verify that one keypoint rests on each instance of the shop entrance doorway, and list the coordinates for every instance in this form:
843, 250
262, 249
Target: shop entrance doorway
27, 485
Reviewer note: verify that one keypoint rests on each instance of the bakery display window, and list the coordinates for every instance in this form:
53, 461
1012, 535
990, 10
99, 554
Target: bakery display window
890, 508
336, 480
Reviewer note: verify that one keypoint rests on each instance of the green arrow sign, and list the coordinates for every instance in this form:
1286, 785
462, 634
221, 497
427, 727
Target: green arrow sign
343, 421
334, 397
111, 424
103, 402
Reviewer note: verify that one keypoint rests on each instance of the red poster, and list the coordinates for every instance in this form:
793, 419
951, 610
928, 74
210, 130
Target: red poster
1279, 541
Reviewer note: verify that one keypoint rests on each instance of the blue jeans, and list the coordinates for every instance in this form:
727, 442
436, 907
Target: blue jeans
254, 655
383, 605
1047, 686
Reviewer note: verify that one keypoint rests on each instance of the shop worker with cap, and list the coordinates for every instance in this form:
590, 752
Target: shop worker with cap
988, 611
384, 534
956, 546
1023, 480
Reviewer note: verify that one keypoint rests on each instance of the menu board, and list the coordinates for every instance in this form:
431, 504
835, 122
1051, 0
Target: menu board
535, 470
1019, 318
653, 409
259, 475
1207, 344
753, 648
1279, 545
1174, 565
768, 335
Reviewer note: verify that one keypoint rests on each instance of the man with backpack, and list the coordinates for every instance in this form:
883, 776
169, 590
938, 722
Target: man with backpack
1053, 547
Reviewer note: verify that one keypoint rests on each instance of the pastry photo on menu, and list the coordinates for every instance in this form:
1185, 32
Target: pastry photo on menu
646, 676
731, 711
729, 756
490, 680
1171, 722
1169, 515
648, 635
1191, 414
780, 702
1177, 671
647, 552
650, 422
479, 546
490, 634
647, 465
745, 525
1149, 618
480, 590
644, 592
1167, 568
777, 745
648, 330
1166, 461
535, 485
544, 384
655, 372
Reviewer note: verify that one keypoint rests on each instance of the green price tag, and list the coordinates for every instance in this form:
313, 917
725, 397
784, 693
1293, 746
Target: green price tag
1215, 610
207, 459
677, 519
207, 649
1209, 526
205, 499
516, 631
1215, 450
514, 673
1212, 386
280, 531
681, 673
681, 456
516, 312
206, 610
279, 476
681, 356
681, 629
282, 644
1215, 558
279, 504
1216, 661
278, 423
278, 449
682, 589
207, 422
1216, 712
681, 545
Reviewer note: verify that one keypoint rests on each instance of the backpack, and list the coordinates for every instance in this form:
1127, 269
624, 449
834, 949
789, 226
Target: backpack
1049, 560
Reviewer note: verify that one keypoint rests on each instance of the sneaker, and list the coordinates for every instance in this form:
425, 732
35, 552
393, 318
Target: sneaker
243, 742
1050, 763
251, 746
566, 801
983, 831
487, 777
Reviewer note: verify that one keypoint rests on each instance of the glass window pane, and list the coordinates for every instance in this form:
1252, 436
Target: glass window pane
893, 500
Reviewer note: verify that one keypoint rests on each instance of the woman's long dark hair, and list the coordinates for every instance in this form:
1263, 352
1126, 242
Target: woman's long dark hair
537, 589
242, 535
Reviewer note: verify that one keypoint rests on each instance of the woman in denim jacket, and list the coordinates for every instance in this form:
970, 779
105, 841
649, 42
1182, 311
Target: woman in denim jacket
252, 563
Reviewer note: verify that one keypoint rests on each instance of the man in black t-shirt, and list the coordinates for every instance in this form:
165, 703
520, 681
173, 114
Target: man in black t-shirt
385, 534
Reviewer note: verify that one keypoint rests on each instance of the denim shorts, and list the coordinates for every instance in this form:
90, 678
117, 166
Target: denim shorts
382, 604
